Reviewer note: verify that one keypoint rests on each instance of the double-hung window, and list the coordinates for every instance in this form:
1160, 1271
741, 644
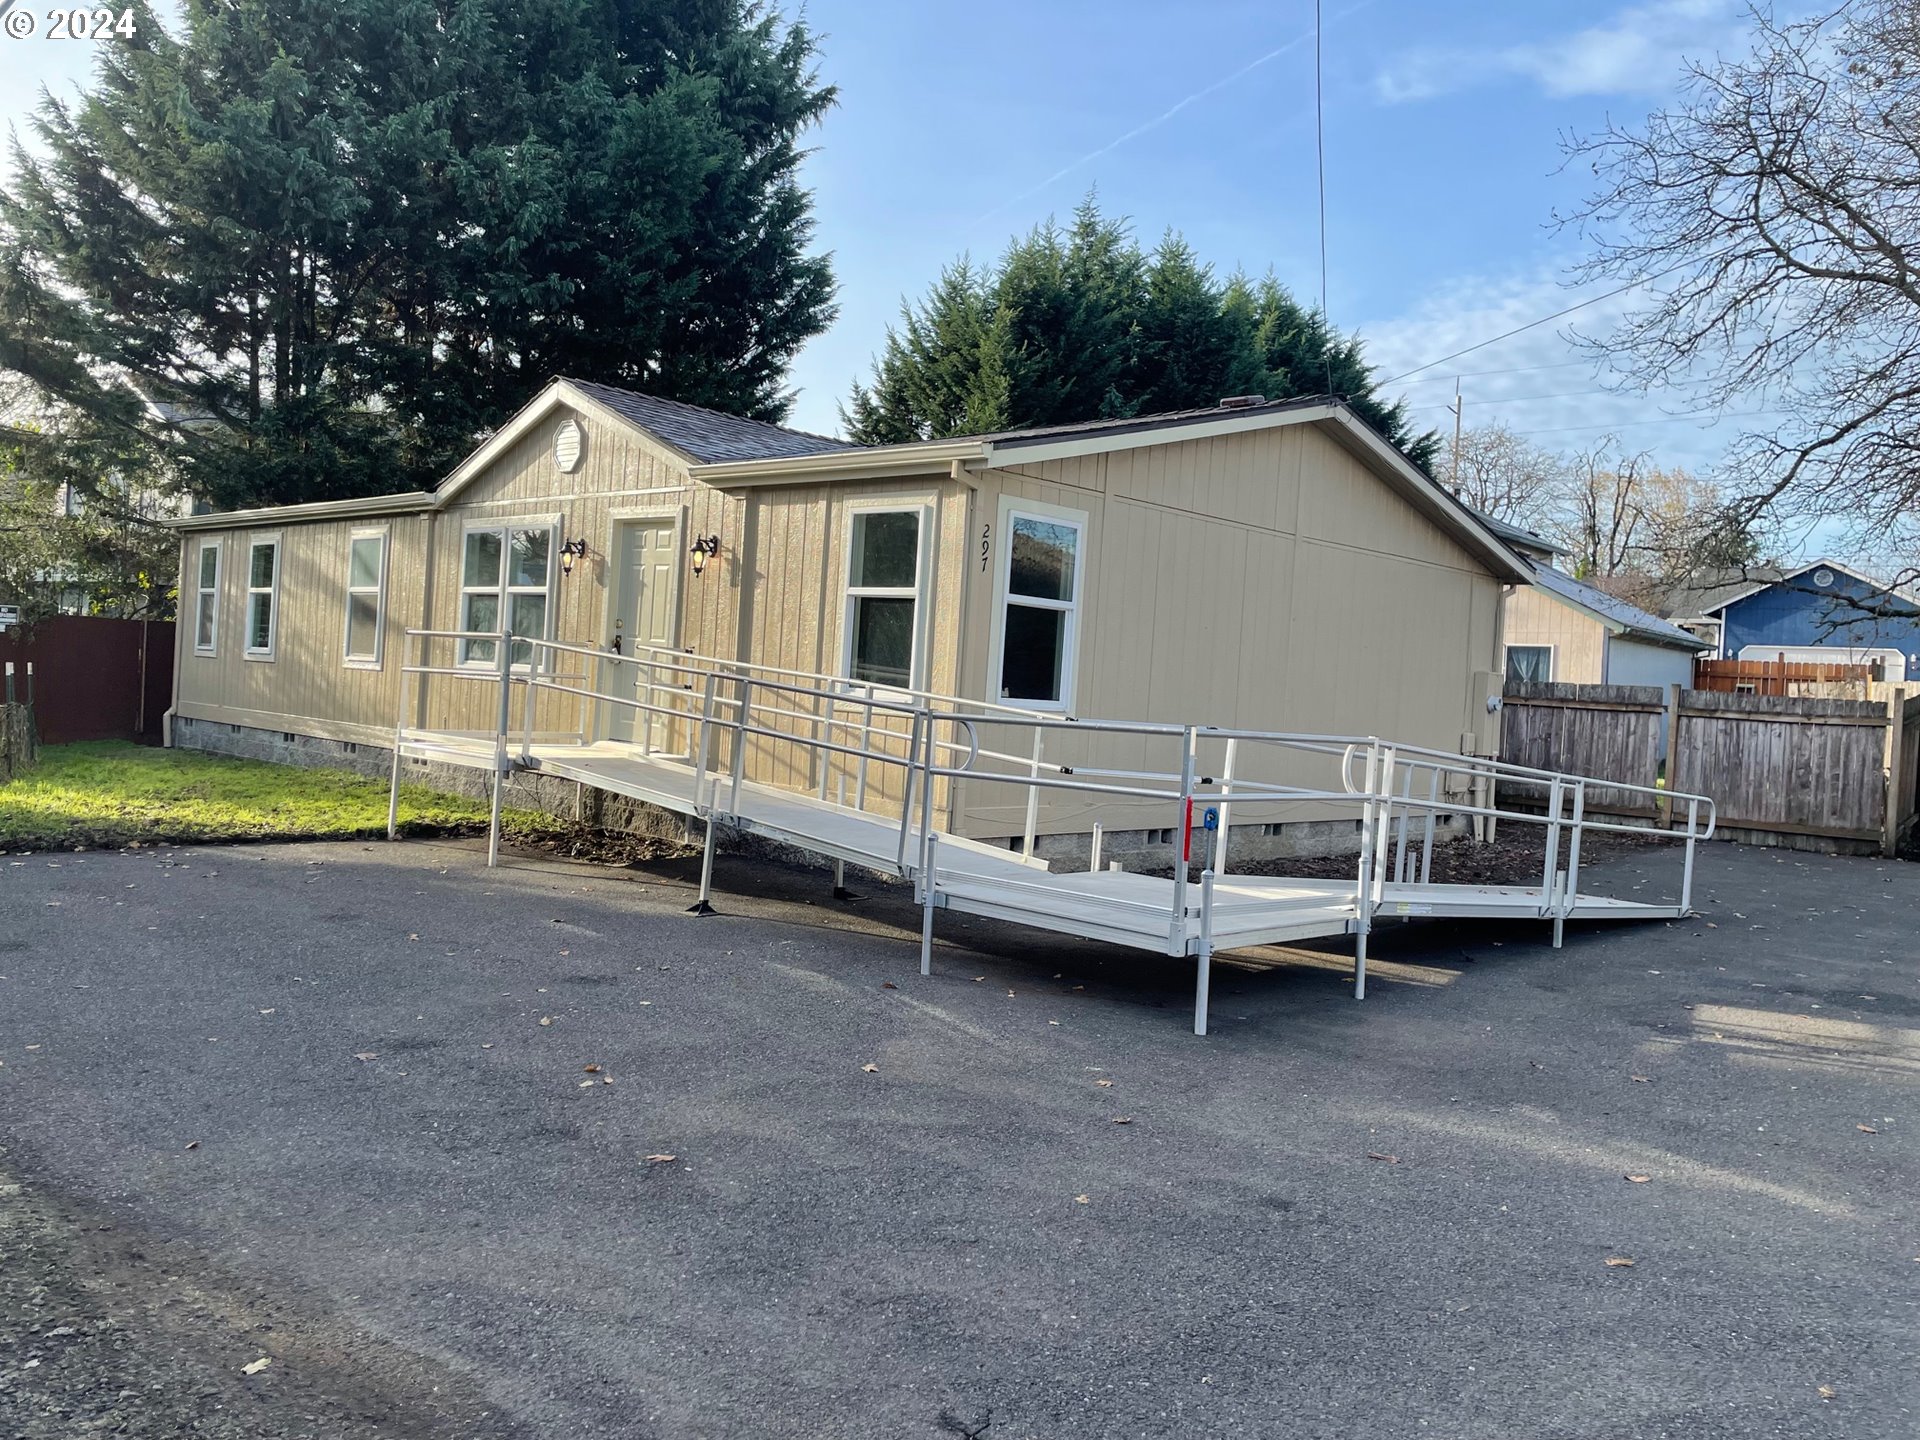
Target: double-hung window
263, 598
366, 596
206, 601
1529, 664
506, 574
1041, 576
882, 621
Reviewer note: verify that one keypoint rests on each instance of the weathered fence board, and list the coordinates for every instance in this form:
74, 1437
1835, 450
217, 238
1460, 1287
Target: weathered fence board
1613, 732
1783, 769
1787, 765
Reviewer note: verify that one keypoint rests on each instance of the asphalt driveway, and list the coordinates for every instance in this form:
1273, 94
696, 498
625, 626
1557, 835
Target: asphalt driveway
331, 1106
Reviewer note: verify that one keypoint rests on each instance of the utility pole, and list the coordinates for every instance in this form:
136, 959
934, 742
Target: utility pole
1458, 407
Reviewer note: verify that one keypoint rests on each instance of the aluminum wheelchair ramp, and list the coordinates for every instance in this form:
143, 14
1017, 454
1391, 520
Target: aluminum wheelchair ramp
710, 732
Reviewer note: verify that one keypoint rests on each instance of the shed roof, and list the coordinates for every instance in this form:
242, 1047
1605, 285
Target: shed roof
1611, 610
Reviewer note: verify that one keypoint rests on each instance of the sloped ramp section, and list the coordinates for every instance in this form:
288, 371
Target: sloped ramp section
925, 744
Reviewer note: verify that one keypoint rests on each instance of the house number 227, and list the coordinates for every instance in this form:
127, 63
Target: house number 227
986, 546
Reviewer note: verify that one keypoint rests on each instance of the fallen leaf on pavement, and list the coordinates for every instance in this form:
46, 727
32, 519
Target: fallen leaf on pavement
1123, 1119
1377, 1155
266, 1012
606, 1079
193, 1144
1104, 1084
1827, 1392
257, 1366
888, 985
1866, 1130
1642, 1079
1619, 1262
546, 1019
661, 1159
586, 1084
591, 1069
871, 1068
365, 1055
1082, 1200
1639, 1179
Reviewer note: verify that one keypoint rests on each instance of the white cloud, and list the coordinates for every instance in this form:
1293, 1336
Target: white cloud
1540, 383
1637, 50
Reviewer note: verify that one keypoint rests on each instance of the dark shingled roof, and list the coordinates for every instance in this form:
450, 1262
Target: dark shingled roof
709, 436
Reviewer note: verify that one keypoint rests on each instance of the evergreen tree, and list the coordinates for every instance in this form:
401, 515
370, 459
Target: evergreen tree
1081, 324
315, 248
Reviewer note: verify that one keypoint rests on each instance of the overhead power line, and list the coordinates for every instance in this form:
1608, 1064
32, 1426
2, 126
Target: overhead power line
1556, 315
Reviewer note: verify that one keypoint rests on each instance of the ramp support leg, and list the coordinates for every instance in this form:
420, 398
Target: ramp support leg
1360, 966
1203, 970
1557, 898
840, 891
927, 874
393, 795
704, 905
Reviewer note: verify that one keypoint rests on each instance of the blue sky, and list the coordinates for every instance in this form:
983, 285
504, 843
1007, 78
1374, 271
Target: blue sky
963, 123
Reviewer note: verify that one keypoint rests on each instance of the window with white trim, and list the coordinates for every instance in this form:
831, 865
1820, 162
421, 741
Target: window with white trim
882, 622
506, 573
366, 596
1040, 584
1529, 664
263, 598
206, 601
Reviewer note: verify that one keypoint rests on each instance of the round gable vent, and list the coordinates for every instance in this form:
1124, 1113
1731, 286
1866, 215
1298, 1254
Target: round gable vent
568, 442
1823, 578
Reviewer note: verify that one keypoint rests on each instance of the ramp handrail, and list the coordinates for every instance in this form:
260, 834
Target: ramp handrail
857, 722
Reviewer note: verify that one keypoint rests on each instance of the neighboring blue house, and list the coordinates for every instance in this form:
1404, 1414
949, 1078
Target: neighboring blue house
1822, 611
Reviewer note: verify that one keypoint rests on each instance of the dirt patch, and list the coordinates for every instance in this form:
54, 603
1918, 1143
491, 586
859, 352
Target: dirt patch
1515, 857
107, 1331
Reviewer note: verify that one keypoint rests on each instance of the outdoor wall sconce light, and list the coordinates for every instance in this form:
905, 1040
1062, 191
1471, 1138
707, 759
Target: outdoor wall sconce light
704, 549
569, 552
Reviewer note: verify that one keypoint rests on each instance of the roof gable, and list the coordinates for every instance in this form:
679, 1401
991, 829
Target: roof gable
1786, 579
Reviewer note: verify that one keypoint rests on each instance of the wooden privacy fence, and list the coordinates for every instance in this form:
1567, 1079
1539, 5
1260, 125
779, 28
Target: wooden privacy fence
1783, 677
19, 746
94, 678
1809, 771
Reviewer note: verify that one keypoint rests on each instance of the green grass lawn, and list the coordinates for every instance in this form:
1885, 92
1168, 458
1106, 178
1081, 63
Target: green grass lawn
109, 793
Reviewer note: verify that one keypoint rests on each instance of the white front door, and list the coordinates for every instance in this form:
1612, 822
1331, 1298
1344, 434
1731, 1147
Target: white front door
643, 604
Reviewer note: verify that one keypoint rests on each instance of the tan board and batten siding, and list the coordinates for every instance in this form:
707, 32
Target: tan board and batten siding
1535, 617
1268, 579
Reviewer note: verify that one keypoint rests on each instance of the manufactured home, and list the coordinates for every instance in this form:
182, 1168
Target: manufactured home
1271, 566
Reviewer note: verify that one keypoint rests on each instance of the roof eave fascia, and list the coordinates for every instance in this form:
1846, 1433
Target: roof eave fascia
408, 502
936, 457
1506, 563
1005, 454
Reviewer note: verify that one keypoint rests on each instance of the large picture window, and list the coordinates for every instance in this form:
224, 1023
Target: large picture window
1530, 664
883, 596
1040, 610
506, 572
206, 604
366, 595
263, 598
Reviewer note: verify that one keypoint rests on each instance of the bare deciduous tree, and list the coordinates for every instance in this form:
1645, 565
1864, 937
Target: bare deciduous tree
1778, 204
1505, 475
